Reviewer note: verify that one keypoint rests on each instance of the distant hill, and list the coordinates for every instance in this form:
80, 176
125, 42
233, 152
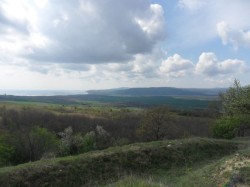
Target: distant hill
159, 91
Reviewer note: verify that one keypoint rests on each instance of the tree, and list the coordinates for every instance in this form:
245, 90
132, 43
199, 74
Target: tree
236, 112
103, 138
66, 141
41, 141
156, 123
71, 144
236, 100
6, 151
89, 141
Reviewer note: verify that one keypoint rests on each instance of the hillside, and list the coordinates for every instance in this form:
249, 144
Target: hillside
107, 166
159, 91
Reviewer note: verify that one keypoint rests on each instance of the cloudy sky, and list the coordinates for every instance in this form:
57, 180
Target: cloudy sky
97, 44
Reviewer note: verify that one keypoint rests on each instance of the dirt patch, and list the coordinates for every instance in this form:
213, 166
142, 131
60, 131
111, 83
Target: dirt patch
228, 173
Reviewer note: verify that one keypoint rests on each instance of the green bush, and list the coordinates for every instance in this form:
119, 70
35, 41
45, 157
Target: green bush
42, 142
224, 128
6, 152
89, 141
71, 144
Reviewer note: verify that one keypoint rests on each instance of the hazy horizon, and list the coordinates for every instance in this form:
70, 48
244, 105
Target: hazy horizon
72, 92
41, 92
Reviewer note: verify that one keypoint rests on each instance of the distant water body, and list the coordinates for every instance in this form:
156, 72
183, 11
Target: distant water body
41, 92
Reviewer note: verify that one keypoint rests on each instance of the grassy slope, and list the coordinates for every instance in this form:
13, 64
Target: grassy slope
105, 166
230, 171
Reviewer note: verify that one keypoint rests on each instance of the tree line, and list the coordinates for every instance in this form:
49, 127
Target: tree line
29, 133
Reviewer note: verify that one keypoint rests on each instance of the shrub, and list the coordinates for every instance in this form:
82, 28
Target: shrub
65, 142
224, 128
41, 142
71, 144
236, 112
89, 141
103, 139
6, 152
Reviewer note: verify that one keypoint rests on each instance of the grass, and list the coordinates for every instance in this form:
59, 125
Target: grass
133, 181
231, 170
102, 167
217, 173
197, 174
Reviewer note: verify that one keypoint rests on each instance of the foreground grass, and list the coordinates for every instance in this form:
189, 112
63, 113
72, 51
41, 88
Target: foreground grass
154, 159
229, 171
215, 174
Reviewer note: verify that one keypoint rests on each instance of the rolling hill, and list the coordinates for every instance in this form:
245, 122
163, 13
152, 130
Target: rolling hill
159, 91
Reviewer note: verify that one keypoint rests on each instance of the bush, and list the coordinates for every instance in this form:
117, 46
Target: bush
65, 142
89, 141
42, 142
71, 144
103, 139
224, 128
6, 152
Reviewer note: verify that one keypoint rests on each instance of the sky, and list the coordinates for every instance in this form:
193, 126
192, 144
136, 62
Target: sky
101, 44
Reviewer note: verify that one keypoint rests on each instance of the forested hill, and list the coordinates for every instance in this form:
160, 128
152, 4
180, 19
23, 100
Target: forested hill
159, 91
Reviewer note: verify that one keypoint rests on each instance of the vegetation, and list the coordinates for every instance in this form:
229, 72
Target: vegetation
231, 170
158, 91
184, 102
235, 120
100, 167
156, 123
32, 132
79, 140
6, 151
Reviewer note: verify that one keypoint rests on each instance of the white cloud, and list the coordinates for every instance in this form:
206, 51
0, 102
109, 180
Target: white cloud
146, 64
232, 66
235, 37
109, 43
176, 66
207, 64
210, 66
198, 19
80, 31
153, 25
222, 29
141, 68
